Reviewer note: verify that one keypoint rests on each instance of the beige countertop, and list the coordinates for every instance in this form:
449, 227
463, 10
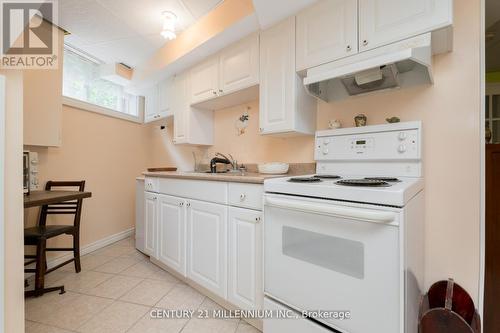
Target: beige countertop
247, 177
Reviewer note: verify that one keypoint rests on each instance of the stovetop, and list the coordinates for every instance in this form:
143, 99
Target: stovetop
392, 191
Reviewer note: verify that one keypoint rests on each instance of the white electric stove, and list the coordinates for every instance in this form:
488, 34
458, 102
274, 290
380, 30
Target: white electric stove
348, 239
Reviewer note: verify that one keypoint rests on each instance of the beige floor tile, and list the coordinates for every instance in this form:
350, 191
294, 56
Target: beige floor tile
181, 297
85, 281
148, 292
68, 311
88, 262
164, 276
116, 265
115, 287
32, 327
246, 328
118, 317
51, 279
158, 325
136, 255
143, 269
197, 325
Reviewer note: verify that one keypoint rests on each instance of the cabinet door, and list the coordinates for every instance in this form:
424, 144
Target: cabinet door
207, 239
245, 258
239, 65
277, 70
172, 232
385, 21
205, 80
181, 107
326, 31
151, 110
150, 216
165, 97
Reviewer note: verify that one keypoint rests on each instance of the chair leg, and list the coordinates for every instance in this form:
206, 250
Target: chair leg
76, 251
40, 267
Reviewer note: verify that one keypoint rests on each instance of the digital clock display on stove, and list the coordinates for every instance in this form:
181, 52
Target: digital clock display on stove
361, 142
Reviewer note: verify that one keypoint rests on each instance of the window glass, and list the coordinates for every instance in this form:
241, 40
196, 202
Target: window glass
82, 81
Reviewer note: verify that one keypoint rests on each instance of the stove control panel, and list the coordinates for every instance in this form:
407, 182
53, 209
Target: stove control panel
388, 145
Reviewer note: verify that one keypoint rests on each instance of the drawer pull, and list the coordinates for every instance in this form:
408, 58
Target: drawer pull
243, 196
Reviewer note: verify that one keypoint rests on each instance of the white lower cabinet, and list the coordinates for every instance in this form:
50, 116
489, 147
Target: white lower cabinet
172, 232
245, 258
150, 218
214, 241
207, 245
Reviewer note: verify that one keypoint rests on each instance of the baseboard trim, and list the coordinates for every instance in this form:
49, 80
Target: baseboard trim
86, 249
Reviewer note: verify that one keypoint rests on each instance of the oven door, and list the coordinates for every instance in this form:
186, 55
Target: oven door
334, 256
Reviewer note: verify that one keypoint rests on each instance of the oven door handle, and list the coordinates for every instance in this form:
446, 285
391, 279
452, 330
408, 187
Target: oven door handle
362, 214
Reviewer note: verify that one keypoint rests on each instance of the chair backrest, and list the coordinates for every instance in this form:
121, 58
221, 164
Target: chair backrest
73, 207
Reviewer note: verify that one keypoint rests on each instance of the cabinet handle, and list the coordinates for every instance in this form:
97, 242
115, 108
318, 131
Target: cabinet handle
243, 196
181, 204
257, 219
220, 90
215, 92
188, 204
348, 48
365, 42
261, 129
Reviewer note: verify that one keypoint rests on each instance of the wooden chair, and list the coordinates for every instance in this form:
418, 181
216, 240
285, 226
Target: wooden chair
39, 235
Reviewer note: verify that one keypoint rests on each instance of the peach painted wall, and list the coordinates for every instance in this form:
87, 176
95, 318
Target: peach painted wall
450, 111
108, 153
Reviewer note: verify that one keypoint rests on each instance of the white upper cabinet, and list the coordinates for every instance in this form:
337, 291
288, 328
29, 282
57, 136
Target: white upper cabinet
239, 65
326, 31
191, 126
285, 107
172, 233
205, 80
151, 110
165, 97
207, 241
383, 22
229, 78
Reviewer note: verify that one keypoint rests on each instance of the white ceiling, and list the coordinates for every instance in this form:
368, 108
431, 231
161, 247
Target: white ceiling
125, 31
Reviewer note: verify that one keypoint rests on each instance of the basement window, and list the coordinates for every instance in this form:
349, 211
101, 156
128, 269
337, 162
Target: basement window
83, 88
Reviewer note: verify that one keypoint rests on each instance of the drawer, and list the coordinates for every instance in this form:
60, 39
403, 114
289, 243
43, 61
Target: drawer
151, 184
204, 190
246, 195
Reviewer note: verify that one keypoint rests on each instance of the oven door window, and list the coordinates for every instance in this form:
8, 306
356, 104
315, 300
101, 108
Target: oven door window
334, 253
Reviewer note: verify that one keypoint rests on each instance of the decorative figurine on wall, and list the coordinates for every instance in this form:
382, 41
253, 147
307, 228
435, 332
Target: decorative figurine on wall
393, 120
334, 124
360, 120
242, 122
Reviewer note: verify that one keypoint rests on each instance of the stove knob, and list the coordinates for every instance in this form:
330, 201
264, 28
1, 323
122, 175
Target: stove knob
401, 149
402, 136
325, 151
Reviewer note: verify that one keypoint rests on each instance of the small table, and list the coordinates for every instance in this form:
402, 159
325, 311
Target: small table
40, 198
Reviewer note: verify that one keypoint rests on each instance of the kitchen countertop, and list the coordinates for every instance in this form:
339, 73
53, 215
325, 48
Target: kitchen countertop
251, 176
248, 177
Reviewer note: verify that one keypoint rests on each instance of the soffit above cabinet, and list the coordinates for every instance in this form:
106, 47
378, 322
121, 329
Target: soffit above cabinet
271, 12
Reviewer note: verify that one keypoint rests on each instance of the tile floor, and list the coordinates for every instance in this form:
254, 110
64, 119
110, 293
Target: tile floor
115, 292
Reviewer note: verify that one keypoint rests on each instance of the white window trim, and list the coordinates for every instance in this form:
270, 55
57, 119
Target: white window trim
68, 101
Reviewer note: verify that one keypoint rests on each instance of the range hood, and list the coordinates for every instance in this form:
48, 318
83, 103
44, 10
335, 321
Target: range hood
402, 64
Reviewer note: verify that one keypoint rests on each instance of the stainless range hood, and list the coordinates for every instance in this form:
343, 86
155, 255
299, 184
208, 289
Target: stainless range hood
402, 64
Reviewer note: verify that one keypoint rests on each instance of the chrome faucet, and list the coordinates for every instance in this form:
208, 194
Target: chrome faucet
228, 160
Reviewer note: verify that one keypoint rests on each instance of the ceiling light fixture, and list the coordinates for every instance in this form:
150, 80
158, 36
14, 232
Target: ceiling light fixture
169, 21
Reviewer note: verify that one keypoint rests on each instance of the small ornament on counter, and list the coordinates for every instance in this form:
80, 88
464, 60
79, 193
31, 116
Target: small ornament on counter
334, 124
242, 122
360, 120
393, 120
